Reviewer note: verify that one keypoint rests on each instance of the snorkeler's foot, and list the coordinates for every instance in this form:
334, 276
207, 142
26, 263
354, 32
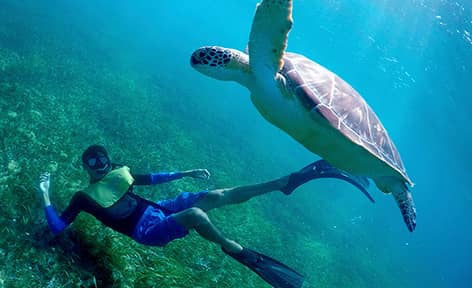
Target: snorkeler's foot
322, 169
275, 273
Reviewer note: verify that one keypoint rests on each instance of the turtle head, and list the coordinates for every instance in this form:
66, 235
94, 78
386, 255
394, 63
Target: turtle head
221, 63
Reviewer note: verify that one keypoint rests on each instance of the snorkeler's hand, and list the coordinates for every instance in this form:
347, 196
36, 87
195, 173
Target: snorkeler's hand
200, 174
44, 182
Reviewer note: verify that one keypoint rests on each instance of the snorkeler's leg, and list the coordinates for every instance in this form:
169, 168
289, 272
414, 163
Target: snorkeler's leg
195, 218
272, 271
228, 196
286, 184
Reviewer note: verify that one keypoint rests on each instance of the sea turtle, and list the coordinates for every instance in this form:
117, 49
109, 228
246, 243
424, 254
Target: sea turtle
310, 103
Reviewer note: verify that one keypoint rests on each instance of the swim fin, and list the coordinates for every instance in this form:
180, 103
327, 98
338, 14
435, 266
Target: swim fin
322, 169
272, 271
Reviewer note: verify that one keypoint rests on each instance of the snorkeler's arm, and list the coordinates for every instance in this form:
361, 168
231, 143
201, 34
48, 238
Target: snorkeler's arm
163, 177
54, 221
80, 202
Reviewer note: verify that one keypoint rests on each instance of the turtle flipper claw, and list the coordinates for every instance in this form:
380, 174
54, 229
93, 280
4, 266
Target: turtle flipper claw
322, 169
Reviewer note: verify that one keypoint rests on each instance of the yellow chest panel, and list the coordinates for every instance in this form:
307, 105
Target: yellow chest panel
111, 187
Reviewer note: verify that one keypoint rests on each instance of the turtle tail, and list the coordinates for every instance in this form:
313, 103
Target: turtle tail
405, 202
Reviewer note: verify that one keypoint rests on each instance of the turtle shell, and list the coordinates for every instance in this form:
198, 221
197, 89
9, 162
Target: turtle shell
319, 89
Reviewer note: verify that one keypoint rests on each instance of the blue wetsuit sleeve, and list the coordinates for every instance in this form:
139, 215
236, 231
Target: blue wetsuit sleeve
162, 177
56, 224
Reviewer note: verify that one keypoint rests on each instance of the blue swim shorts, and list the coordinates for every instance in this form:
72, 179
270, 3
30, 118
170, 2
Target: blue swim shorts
157, 227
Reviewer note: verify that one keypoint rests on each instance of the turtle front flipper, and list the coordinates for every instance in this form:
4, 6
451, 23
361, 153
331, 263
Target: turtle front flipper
268, 38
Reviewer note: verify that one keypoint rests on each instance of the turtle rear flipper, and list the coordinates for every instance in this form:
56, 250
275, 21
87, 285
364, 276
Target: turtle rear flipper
407, 207
402, 196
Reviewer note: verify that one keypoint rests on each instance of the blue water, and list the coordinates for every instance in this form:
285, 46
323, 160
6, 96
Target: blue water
412, 62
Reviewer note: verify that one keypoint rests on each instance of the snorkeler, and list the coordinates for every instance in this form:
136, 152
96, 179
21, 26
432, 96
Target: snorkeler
110, 199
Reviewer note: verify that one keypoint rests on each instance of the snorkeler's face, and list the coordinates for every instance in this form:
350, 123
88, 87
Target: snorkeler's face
97, 164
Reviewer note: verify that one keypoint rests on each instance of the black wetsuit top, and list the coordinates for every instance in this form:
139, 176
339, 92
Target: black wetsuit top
121, 216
